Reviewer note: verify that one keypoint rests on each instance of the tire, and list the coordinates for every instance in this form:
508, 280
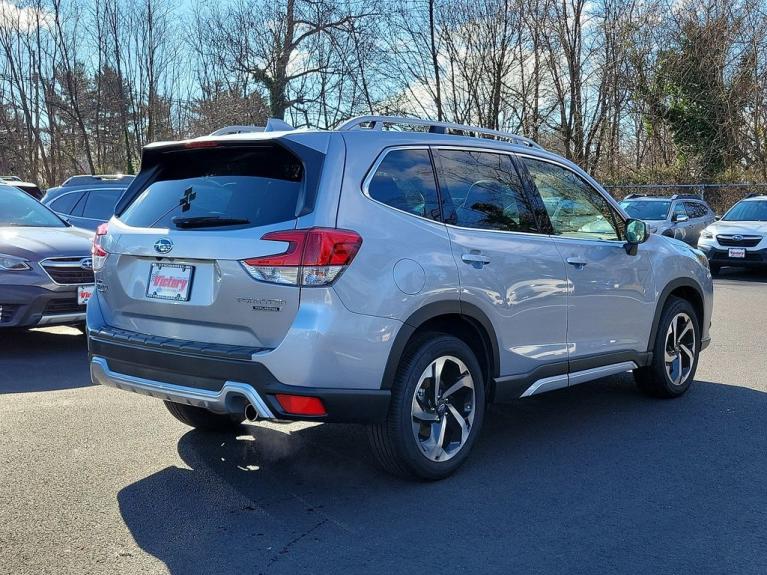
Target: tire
421, 436
672, 379
201, 418
715, 269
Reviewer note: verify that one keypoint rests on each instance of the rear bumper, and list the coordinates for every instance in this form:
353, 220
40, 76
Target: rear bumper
220, 380
228, 399
31, 306
720, 256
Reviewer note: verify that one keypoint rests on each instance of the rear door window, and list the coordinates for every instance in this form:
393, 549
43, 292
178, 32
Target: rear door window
100, 204
701, 211
65, 203
484, 191
251, 185
405, 180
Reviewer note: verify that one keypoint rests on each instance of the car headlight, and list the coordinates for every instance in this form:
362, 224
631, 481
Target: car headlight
701, 258
707, 235
13, 264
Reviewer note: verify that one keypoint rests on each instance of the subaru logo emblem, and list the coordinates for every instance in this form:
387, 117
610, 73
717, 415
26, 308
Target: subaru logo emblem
86, 263
163, 246
737, 238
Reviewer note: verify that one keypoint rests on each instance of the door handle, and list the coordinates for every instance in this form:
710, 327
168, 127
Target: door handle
577, 262
475, 259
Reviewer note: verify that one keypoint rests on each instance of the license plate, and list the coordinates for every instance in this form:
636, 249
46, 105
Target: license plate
170, 281
737, 252
84, 293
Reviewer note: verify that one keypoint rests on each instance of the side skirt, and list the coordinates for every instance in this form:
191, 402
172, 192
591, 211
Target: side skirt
565, 374
576, 377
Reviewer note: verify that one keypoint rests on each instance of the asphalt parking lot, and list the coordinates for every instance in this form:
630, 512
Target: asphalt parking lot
594, 479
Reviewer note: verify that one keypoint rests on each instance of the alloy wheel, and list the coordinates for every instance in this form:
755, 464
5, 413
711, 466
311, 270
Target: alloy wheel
680, 349
443, 408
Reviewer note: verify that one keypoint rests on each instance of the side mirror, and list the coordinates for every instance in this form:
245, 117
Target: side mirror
636, 233
717, 218
679, 218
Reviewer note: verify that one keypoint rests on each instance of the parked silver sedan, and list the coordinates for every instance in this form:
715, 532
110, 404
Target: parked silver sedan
46, 271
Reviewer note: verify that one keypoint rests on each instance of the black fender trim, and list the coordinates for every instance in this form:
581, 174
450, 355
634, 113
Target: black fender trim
642, 359
512, 387
431, 311
664, 295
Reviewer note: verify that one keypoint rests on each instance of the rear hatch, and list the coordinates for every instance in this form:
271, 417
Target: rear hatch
192, 216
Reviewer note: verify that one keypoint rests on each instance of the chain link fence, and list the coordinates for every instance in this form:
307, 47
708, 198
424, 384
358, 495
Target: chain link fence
719, 196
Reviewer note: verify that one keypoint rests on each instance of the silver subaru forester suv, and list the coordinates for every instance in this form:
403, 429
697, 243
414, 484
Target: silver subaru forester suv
394, 272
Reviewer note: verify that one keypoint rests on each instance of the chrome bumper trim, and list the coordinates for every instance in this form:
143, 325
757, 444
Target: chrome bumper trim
223, 401
61, 318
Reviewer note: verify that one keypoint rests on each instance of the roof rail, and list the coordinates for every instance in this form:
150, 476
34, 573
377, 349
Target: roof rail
272, 125
686, 197
633, 196
378, 123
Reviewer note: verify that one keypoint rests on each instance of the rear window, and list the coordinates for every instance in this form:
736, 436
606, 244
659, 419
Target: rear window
252, 185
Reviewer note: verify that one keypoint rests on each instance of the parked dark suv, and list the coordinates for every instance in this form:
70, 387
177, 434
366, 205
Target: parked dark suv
87, 201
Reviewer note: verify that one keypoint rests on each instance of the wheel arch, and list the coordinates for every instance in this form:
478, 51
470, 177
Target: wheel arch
683, 288
460, 319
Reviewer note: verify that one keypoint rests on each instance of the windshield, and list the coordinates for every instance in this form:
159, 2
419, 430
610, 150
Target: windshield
751, 211
255, 186
646, 210
18, 208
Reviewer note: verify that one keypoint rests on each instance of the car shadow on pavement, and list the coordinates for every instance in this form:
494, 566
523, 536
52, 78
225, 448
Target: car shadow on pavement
594, 479
43, 360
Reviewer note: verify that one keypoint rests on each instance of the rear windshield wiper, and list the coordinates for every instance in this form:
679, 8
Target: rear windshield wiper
207, 222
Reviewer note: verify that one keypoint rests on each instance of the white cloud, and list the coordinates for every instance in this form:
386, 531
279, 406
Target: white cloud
22, 19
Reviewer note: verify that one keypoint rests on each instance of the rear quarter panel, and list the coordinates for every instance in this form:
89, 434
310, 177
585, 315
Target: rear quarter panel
417, 250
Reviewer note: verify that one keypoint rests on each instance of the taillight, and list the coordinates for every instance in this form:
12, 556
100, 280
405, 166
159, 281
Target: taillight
97, 251
313, 257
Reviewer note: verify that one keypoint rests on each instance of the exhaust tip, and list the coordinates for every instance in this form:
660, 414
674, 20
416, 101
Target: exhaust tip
250, 413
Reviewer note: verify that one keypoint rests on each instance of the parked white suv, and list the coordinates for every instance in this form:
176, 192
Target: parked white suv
401, 278
739, 239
